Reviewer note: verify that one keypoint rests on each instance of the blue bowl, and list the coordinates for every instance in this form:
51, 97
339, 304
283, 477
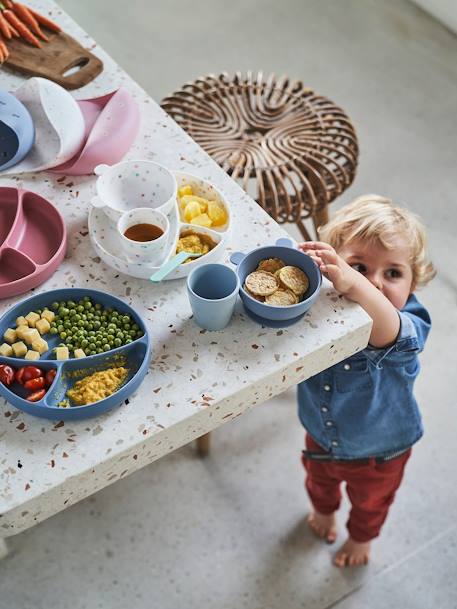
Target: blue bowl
284, 249
17, 131
137, 356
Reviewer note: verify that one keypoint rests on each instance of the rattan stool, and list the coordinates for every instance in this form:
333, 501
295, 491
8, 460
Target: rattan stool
292, 150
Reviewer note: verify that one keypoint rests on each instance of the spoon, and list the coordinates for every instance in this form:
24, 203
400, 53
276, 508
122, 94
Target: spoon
171, 265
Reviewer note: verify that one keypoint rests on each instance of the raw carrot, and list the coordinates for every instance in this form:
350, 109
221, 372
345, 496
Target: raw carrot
4, 27
29, 20
21, 28
14, 32
4, 50
8, 3
45, 21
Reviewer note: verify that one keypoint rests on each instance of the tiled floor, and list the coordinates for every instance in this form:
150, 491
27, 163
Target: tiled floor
229, 532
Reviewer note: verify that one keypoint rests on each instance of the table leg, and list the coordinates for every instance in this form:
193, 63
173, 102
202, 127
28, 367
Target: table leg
3, 548
203, 445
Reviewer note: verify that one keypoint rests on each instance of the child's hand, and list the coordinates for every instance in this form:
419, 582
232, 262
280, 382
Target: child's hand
332, 266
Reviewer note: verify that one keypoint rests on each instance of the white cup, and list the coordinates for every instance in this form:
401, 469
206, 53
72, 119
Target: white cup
144, 251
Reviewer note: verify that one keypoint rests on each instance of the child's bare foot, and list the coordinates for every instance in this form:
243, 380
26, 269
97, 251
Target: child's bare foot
323, 525
353, 554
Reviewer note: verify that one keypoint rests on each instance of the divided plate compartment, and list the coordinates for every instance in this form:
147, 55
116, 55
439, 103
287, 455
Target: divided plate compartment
33, 240
105, 238
136, 357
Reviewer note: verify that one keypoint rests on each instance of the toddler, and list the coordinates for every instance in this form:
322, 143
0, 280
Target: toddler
360, 415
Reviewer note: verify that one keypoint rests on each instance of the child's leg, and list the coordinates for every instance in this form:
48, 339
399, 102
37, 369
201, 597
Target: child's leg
371, 490
323, 486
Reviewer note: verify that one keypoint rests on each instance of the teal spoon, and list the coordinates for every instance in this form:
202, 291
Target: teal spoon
171, 265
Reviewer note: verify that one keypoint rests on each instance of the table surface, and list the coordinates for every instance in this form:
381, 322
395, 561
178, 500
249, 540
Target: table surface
198, 380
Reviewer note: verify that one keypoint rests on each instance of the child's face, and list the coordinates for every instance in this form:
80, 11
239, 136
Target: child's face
387, 269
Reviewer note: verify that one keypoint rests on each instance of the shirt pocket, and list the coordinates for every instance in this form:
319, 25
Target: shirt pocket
356, 378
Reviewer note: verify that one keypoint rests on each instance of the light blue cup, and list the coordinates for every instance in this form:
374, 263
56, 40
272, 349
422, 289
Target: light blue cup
212, 291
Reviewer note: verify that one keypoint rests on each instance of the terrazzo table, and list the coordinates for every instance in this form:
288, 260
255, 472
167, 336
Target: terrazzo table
198, 380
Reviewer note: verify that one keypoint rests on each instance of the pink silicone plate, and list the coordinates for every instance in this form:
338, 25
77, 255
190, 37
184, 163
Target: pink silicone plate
111, 125
33, 240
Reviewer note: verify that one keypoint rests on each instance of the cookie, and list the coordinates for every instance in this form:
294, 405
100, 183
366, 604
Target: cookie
259, 298
282, 298
293, 278
261, 283
271, 265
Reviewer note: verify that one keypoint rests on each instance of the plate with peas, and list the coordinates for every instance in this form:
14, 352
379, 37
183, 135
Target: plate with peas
97, 346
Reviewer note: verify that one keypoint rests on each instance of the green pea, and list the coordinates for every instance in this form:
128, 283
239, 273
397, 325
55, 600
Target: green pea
84, 342
67, 324
106, 347
55, 306
127, 326
87, 305
71, 304
60, 328
135, 327
96, 324
86, 299
63, 311
132, 333
63, 335
98, 306
110, 338
128, 341
80, 308
53, 330
117, 342
70, 346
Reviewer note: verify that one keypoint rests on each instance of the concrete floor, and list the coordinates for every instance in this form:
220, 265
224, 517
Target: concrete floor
228, 532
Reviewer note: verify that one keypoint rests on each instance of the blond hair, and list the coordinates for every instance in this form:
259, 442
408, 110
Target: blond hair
378, 219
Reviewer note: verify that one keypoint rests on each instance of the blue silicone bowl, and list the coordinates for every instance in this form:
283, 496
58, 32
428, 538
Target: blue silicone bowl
17, 131
285, 250
137, 356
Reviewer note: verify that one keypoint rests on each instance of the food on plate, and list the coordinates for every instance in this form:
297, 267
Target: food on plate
270, 265
282, 298
84, 327
200, 211
97, 386
294, 279
6, 374
34, 380
194, 243
261, 283
32, 355
285, 284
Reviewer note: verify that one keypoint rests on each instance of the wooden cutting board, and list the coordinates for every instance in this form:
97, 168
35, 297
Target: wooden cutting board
54, 59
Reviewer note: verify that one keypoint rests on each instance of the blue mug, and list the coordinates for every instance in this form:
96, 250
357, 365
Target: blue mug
212, 291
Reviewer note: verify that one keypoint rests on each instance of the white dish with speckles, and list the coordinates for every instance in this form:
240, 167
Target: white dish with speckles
105, 238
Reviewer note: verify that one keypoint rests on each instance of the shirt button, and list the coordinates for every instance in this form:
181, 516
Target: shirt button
334, 443
329, 423
347, 366
327, 387
324, 408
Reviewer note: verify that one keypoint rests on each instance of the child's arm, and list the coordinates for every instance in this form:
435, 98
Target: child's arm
356, 287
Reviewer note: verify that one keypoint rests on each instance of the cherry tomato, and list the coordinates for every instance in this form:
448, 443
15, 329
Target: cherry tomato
35, 384
50, 376
36, 397
19, 375
31, 372
6, 374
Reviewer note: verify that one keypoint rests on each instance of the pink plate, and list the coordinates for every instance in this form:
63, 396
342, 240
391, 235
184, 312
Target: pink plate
111, 125
33, 240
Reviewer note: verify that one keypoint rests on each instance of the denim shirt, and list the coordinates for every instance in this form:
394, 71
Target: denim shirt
364, 406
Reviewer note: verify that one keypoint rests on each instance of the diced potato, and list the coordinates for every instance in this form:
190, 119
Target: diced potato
32, 318
48, 315
192, 210
217, 213
40, 345
6, 350
79, 353
21, 331
21, 321
62, 353
188, 198
202, 220
184, 190
32, 355
43, 326
10, 336
30, 335
19, 349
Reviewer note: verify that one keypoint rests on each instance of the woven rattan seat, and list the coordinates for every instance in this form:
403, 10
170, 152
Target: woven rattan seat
292, 150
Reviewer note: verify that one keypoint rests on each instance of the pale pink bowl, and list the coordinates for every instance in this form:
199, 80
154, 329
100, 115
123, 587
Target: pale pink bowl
111, 125
33, 240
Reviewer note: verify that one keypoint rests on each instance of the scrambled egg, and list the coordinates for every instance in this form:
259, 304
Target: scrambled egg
97, 386
194, 243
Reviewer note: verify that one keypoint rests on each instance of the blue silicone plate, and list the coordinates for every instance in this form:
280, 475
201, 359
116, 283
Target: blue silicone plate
137, 356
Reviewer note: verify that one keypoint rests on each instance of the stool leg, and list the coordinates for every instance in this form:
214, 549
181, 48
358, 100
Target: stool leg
203, 445
3, 548
320, 217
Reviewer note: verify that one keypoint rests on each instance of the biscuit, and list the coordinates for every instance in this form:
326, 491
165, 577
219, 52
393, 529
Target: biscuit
271, 265
261, 283
282, 298
259, 298
294, 279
